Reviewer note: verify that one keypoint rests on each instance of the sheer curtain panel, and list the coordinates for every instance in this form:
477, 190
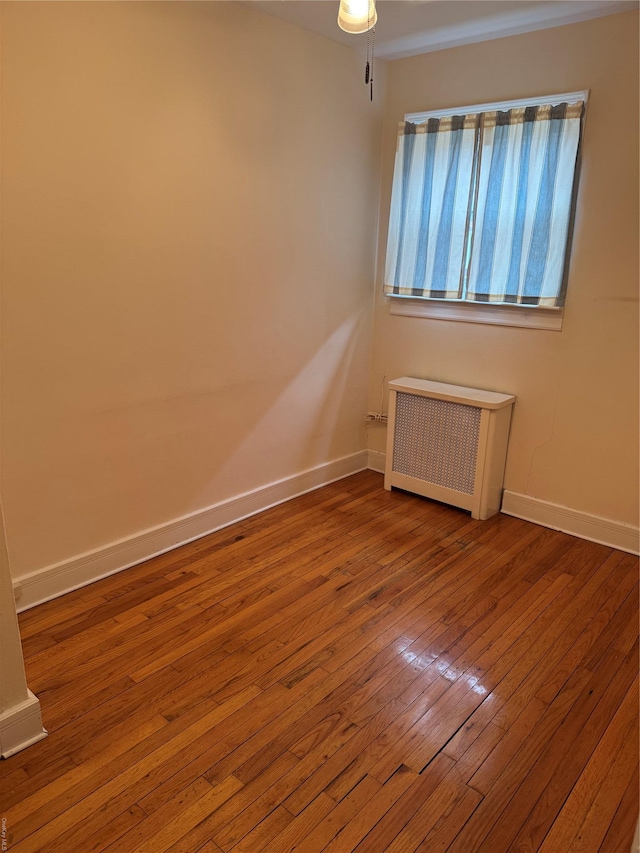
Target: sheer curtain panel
481, 206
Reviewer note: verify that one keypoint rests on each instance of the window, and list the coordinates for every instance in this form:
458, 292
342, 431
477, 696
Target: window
482, 206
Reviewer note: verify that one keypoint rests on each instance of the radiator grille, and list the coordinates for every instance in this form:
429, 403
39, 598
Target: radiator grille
436, 441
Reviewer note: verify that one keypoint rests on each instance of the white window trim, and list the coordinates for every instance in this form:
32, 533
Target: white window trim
489, 313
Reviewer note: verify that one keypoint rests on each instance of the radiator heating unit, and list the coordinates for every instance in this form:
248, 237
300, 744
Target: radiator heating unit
448, 443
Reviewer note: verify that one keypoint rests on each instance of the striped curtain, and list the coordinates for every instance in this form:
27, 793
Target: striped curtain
489, 220
428, 229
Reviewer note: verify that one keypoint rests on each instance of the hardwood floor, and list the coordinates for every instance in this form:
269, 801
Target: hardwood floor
355, 670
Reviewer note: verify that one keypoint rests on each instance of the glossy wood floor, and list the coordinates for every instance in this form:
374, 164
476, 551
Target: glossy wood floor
356, 670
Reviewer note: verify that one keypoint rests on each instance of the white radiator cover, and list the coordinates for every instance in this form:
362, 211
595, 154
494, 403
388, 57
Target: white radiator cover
448, 443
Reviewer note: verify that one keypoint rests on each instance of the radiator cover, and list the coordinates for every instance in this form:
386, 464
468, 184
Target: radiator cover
448, 442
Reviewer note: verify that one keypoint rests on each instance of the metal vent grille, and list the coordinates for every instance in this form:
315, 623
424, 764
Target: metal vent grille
436, 441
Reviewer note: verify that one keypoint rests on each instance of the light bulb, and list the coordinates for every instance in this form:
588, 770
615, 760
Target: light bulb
357, 16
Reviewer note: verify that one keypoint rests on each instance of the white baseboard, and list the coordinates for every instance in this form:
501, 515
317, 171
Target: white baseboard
376, 459
52, 581
21, 726
615, 534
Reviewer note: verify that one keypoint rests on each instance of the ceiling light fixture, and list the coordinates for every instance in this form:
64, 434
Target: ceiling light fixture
357, 16
360, 16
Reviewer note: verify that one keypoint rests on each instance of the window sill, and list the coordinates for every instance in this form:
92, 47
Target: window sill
492, 314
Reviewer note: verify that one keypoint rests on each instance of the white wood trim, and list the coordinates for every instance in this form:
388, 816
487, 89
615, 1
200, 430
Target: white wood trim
78, 571
21, 726
479, 492
375, 461
391, 428
615, 534
489, 313
476, 397
495, 461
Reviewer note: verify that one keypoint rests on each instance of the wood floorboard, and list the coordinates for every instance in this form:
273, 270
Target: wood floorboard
355, 670
625, 818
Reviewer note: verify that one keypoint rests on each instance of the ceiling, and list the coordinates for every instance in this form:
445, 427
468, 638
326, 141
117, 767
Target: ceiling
407, 27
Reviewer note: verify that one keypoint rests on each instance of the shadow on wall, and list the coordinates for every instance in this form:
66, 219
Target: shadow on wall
129, 468
303, 425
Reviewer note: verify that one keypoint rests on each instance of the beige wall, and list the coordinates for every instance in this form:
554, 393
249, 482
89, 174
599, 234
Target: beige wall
189, 208
574, 436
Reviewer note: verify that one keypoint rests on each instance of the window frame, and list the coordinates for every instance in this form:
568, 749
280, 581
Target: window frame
489, 313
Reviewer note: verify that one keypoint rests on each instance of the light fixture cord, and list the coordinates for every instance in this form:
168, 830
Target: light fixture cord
371, 38
373, 44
